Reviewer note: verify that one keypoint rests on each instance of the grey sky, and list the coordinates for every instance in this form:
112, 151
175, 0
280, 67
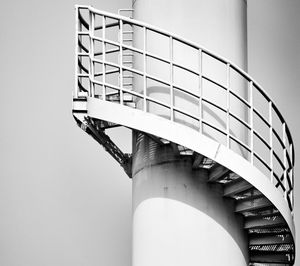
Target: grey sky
63, 199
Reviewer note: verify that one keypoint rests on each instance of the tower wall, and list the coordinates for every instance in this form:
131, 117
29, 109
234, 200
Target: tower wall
219, 25
178, 219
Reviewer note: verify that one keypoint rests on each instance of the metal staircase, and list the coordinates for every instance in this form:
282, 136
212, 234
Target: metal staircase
105, 97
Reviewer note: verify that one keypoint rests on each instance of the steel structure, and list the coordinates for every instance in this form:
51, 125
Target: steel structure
262, 186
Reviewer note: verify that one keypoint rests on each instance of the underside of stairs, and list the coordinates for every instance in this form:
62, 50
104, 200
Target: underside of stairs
270, 240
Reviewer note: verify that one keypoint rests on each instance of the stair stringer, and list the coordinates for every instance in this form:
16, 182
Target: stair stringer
190, 138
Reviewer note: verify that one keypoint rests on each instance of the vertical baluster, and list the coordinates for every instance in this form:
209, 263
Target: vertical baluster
103, 60
76, 51
171, 78
91, 53
292, 173
271, 141
251, 122
144, 67
121, 60
284, 160
200, 84
228, 105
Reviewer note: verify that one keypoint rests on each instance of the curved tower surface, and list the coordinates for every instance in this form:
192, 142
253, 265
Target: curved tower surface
212, 159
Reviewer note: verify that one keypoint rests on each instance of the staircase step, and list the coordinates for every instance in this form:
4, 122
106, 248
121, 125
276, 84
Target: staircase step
247, 194
184, 151
252, 204
236, 186
272, 248
197, 160
266, 239
207, 163
267, 264
217, 172
264, 221
271, 257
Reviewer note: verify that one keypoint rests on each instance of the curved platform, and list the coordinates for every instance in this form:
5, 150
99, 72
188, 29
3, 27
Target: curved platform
105, 96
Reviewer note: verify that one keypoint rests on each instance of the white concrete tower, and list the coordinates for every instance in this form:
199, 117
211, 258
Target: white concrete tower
179, 219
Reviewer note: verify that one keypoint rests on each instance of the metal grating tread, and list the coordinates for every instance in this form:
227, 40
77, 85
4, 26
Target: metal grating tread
285, 248
264, 221
281, 230
268, 264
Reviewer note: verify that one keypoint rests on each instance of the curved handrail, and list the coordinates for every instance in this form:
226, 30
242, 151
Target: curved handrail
282, 177
189, 43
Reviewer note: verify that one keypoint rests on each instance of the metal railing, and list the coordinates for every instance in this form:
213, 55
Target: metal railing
101, 72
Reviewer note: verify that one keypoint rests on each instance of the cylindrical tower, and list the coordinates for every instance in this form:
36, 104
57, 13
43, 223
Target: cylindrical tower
179, 219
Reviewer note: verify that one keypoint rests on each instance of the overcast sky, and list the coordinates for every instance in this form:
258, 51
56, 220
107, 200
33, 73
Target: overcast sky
63, 199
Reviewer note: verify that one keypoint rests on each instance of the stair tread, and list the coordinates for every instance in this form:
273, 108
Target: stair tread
258, 239
236, 186
252, 204
263, 221
217, 172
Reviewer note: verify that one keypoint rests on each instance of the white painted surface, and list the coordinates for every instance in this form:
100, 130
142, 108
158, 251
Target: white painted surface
219, 25
180, 220
177, 218
163, 236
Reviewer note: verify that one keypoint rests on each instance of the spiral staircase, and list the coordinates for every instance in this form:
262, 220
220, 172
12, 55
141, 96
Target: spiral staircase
257, 172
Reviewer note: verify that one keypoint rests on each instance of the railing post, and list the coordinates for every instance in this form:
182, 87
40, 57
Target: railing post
144, 69
271, 141
228, 105
91, 52
284, 159
121, 60
103, 59
251, 123
292, 174
200, 84
171, 79
76, 52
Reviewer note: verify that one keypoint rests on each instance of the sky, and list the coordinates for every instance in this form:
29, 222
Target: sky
63, 199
